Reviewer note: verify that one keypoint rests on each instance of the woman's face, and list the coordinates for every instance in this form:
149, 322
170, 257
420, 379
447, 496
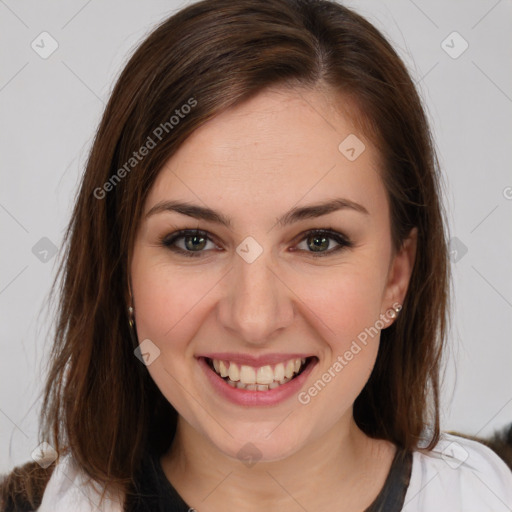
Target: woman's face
259, 288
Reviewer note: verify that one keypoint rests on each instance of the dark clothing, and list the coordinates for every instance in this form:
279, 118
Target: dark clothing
156, 494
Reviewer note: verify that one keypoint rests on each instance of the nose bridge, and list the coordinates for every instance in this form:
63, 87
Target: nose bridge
258, 303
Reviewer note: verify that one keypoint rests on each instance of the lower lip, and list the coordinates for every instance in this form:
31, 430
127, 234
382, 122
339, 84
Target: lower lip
248, 397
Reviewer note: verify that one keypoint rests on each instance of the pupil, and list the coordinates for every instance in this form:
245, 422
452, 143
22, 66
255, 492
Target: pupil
195, 238
323, 244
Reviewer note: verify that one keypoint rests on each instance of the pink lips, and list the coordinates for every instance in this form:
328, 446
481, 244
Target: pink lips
255, 398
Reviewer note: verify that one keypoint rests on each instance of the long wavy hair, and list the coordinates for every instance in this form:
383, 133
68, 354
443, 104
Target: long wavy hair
100, 404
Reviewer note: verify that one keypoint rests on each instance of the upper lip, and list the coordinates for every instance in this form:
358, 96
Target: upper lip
257, 361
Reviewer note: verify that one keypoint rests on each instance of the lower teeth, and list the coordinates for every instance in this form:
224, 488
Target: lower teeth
256, 387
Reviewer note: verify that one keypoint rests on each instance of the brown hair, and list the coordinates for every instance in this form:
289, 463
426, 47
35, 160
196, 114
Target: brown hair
219, 54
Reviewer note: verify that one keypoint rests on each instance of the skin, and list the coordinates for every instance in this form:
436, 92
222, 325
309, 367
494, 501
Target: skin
253, 163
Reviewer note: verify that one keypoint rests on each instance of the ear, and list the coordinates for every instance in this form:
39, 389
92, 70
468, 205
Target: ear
400, 271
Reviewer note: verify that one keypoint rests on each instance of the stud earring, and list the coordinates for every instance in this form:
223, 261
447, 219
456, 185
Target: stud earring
393, 313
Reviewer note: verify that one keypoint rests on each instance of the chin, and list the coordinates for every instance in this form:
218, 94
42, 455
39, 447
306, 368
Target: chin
259, 443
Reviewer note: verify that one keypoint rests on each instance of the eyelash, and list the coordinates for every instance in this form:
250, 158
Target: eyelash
168, 241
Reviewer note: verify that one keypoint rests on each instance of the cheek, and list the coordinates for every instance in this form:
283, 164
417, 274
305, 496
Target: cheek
346, 303
167, 300
344, 300
348, 312
168, 311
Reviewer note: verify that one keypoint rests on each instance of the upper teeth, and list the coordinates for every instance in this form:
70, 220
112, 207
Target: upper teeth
281, 372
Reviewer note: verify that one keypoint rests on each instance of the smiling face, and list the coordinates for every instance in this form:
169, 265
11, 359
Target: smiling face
251, 292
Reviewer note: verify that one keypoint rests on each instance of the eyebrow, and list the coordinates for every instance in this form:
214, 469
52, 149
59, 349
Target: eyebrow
292, 216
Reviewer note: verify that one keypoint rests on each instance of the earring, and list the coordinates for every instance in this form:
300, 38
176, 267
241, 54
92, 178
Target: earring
393, 313
133, 331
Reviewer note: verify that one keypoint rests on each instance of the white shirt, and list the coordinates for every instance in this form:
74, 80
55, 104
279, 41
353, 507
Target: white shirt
458, 475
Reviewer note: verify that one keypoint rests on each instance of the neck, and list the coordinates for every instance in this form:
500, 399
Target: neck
342, 463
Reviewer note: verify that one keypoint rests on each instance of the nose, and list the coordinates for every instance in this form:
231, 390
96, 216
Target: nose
257, 305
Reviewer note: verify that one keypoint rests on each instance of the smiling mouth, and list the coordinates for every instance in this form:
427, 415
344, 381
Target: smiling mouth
263, 378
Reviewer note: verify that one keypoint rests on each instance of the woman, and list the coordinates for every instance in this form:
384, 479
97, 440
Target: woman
255, 292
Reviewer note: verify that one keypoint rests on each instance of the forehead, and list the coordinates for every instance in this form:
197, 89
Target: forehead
281, 147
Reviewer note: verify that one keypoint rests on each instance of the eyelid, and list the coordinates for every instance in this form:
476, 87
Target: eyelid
341, 239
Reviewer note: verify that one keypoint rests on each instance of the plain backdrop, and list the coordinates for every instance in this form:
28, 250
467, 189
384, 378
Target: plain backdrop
50, 108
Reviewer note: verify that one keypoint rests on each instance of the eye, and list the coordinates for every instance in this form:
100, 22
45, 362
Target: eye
194, 241
318, 240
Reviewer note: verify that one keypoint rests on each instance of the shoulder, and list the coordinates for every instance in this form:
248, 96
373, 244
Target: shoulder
458, 474
70, 489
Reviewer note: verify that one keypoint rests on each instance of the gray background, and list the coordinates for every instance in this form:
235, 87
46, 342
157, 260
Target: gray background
50, 109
